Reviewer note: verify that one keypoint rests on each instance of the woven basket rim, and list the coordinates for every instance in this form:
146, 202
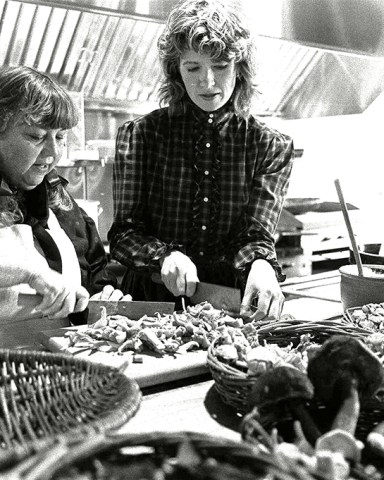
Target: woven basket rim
21, 354
124, 398
204, 442
223, 368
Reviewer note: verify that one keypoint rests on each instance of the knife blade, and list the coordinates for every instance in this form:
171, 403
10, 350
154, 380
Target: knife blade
131, 309
219, 296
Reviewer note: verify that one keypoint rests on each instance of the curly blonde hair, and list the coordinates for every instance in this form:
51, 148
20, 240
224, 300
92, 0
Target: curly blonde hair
216, 27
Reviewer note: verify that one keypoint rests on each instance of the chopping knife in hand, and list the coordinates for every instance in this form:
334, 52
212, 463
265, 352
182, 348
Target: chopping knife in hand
262, 286
218, 296
178, 273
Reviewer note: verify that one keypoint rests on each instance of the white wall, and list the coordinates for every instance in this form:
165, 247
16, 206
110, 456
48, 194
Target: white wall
350, 148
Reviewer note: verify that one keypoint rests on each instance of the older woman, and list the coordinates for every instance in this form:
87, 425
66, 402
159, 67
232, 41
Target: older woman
46, 241
200, 184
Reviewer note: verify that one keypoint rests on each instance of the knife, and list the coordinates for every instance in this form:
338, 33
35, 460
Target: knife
219, 296
131, 309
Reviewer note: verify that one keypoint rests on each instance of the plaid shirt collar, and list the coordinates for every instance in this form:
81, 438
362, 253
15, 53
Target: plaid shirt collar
219, 116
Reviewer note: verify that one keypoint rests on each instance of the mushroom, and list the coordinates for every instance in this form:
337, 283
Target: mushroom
340, 441
375, 440
285, 388
344, 371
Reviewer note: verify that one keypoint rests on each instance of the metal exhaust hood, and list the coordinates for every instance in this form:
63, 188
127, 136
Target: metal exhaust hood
355, 26
316, 57
348, 26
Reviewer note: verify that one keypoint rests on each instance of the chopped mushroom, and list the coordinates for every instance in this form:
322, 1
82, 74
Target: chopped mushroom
338, 440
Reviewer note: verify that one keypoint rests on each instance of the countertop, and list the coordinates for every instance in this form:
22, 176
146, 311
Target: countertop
192, 404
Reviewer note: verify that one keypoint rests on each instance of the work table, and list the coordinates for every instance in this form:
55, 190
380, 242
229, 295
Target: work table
194, 405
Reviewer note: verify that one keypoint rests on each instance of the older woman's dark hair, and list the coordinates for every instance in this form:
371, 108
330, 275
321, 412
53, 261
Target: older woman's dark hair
215, 27
36, 97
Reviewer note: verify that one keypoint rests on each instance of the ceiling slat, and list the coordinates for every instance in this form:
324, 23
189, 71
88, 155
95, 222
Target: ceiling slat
62, 76
12, 41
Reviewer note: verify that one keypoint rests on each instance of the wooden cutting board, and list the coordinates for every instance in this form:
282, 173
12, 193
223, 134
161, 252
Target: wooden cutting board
154, 370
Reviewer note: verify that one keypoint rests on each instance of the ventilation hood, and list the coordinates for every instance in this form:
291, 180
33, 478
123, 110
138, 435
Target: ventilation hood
316, 57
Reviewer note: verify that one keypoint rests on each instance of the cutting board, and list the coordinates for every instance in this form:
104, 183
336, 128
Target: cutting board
154, 370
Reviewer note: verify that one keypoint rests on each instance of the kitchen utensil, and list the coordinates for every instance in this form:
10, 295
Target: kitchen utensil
218, 296
131, 309
369, 253
349, 227
356, 290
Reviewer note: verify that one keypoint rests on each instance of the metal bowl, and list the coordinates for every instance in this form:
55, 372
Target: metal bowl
369, 253
356, 290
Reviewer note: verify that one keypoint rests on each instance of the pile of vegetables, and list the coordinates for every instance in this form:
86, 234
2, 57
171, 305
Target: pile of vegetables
370, 316
195, 328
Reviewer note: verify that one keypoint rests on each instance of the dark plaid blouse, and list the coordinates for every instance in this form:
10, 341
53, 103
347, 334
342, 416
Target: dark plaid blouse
211, 185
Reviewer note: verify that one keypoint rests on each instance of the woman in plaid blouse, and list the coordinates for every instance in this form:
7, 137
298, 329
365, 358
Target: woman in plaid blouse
199, 185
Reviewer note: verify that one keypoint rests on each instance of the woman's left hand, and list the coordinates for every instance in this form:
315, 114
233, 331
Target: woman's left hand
262, 285
111, 294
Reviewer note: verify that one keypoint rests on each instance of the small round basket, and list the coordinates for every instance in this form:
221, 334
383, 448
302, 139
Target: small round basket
166, 456
43, 395
234, 385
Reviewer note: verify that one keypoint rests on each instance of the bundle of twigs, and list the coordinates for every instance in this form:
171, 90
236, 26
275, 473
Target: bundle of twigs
289, 330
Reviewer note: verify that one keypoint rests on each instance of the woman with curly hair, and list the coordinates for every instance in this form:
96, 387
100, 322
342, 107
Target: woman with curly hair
199, 184
46, 240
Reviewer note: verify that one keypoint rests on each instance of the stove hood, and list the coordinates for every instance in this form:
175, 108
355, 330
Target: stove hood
347, 26
316, 57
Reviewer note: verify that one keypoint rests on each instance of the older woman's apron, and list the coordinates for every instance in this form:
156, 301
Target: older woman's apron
18, 302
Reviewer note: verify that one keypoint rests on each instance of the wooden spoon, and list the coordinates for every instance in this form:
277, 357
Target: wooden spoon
347, 220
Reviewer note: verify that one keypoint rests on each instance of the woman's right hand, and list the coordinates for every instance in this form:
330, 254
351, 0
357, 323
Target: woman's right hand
59, 298
179, 273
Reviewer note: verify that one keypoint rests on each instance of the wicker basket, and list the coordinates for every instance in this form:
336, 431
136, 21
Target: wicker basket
234, 385
43, 395
255, 432
371, 413
173, 456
